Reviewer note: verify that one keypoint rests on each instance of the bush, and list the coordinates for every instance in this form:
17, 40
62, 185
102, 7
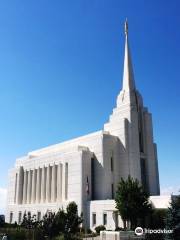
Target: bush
82, 230
89, 231
158, 217
16, 235
119, 229
61, 237
173, 217
19, 236
100, 228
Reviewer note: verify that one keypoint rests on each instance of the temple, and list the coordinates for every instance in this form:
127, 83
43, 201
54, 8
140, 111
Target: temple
87, 169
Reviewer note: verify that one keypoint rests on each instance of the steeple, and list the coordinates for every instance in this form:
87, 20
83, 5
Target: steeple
128, 76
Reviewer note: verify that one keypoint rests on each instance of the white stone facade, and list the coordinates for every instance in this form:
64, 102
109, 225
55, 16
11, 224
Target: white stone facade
104, 212
87, 169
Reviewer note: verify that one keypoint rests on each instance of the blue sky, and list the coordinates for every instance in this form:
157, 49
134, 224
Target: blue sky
61, 67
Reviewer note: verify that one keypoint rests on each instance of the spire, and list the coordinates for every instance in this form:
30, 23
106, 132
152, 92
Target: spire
128, 76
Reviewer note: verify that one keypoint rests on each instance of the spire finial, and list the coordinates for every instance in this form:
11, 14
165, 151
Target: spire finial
128, 76
126, 27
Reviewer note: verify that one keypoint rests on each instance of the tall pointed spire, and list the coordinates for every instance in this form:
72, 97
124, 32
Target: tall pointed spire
128, 76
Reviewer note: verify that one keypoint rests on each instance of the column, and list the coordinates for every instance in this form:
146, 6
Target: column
28, 180
43, 185
54, 184
29, 188
25, 187
59, 182
15, 191
38, 186
20, 180
17, 187
66, 181
33, 194
48, 184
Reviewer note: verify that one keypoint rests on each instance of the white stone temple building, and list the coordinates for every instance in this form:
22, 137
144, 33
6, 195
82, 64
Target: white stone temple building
87, 169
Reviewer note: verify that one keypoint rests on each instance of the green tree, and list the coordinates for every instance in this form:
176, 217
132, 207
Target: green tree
2, 221
48, 225
132, 202
63, 222
157, 218
29, 222
173, 218
60, 221
72, 221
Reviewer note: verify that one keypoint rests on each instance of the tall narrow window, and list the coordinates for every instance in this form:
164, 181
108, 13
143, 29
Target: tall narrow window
112, 191
141, 142
141, 146
104, 218
92, 178
94, 219
11, 217
112, 164
116, 219
143, 173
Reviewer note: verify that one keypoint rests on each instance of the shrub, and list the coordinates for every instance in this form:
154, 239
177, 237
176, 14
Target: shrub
100, 228
119, 229
17, 235
89, 231
132, 202
60, 237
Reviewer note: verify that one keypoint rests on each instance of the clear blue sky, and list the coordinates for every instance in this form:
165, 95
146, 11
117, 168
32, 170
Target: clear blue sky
61, 67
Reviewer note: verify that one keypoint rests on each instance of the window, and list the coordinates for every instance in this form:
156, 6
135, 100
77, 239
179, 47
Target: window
112, 191
92, 177
116, 219
29, 215
19, 217
141, 145
11, 217
94, 219
49, 212
104, 218
112, 164
38, 216
143, 173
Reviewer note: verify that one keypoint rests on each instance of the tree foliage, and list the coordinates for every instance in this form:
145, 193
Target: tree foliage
63, 222
48, 224
2, 221
173, 218
157, 218
100, 228
132, 201
29, 221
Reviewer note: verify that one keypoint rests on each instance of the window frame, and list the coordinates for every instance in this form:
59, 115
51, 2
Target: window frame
112, 162
105, 218
11, 217
112, 190
94, 219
